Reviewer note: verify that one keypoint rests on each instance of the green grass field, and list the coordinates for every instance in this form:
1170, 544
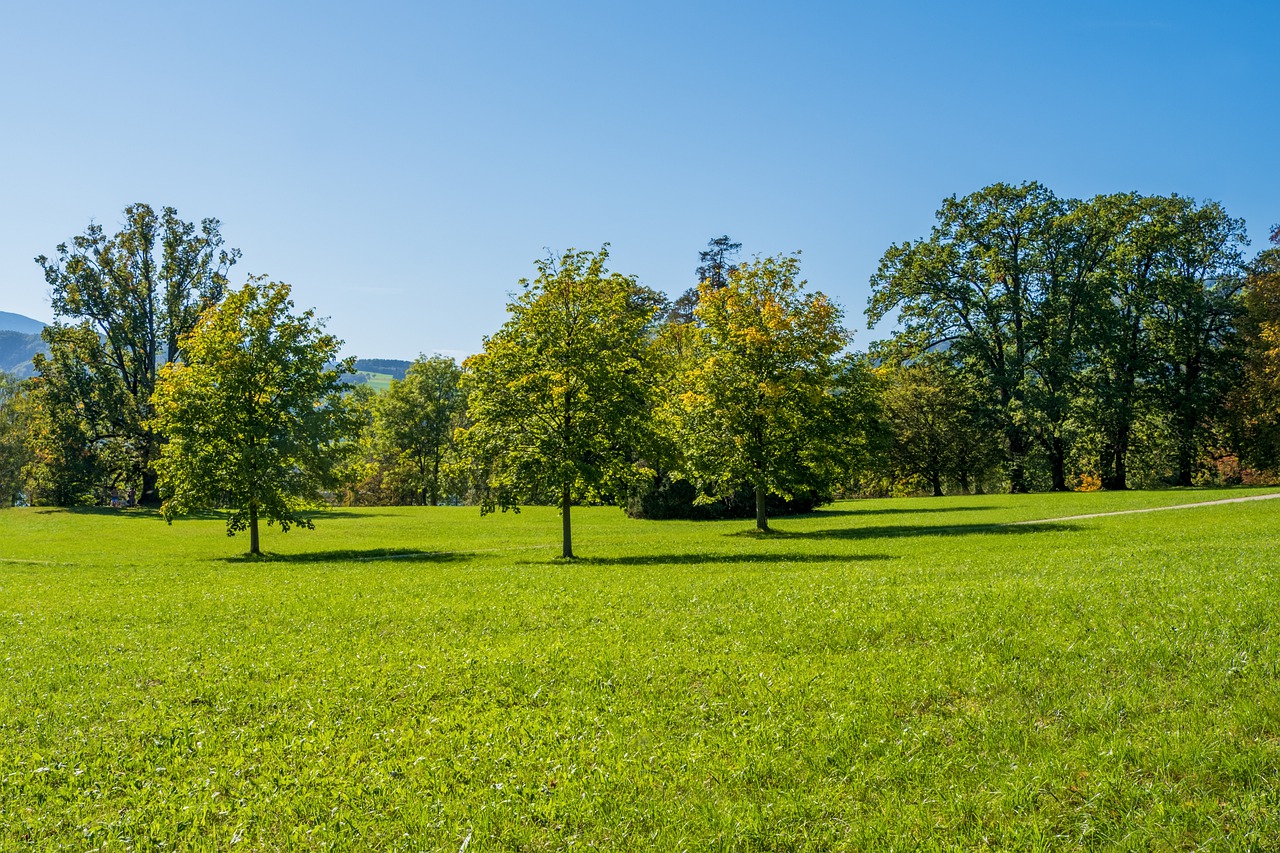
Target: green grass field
879, 675
377, 381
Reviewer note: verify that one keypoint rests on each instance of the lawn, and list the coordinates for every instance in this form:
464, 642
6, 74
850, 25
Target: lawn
908, 674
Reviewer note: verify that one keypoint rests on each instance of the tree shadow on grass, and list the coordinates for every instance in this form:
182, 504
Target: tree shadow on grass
832, 513
146, 513
890, 531
732, 559
351, 555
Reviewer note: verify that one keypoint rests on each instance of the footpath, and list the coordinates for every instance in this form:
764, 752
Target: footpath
1148, 509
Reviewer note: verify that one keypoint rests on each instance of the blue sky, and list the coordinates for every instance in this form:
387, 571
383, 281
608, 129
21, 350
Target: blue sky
403, 164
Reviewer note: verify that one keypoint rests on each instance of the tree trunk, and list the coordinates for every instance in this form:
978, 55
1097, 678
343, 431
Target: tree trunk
1017, 453
566, 529
935, 479
762, 509
1058, 463
253, 529
964, 482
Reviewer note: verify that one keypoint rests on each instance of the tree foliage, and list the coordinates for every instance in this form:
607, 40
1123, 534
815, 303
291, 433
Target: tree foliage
761, 406
253, 412
138, 292
559, 398
1076, 315
15, 447
415, 421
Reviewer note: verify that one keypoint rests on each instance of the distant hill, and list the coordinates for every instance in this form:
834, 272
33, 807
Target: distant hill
18, 323
393, 367
17, 350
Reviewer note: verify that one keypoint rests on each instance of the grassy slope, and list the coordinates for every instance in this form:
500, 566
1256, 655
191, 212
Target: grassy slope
881, 674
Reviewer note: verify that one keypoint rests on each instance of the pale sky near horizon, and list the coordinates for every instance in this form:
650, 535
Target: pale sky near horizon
403, 164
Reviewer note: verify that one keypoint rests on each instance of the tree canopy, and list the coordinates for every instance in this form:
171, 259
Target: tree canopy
137, 292
559, 397
760, 406
253, 413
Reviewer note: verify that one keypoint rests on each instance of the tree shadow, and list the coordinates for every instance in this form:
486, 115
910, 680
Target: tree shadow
889, 531
832, 513
733, 559
351, 555
135, 512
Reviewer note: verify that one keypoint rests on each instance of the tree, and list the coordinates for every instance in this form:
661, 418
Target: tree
415, 422
15, 429
253, 413
138, 292
936, 424
715, 263
971, 288
560, 395
1258, 397
1194, 322
761, 407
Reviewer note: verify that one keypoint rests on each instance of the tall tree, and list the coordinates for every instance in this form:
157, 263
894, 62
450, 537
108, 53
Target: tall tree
415, 422
1117, 383
715, 263
253, 413
560, 395
1258, 398
971, 287
762, 407
1194, 321
1065, 303
139, 290
15, 433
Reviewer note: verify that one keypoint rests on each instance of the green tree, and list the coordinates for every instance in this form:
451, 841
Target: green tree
971, 287
1117, 382
559, 397
415, 422
254, 413
937, 425
15, 433
1257, 399
139, 291
715, 263
761, 407
1194, 323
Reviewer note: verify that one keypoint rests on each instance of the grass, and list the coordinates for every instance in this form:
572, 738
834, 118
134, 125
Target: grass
901, 674
377, 381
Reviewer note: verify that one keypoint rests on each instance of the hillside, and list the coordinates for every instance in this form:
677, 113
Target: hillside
393, 367
16, 351
18, 323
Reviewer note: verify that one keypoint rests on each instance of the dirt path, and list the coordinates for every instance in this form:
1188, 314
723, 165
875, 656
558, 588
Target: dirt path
1149, 509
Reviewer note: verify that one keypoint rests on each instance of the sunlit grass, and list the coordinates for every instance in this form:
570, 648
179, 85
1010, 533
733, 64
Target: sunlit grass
904, 674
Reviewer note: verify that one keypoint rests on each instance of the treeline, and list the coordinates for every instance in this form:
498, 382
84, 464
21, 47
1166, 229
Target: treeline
1037, 343
1049, 343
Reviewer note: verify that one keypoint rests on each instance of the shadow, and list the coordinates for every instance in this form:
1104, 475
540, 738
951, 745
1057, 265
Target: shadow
888, 531
153, 513
733, 559
369, 555
137, 513
833, 513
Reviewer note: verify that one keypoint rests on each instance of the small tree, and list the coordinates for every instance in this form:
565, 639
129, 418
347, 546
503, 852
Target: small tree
762, 407
415, 422
561, 394
254, 413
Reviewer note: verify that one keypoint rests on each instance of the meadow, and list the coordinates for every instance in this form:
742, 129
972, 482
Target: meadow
913, 674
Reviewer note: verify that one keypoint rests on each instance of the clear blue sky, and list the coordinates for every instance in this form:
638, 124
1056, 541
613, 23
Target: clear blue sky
403, 164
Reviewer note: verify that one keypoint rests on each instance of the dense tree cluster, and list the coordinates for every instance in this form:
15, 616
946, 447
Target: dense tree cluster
1036, 343
1095, 339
